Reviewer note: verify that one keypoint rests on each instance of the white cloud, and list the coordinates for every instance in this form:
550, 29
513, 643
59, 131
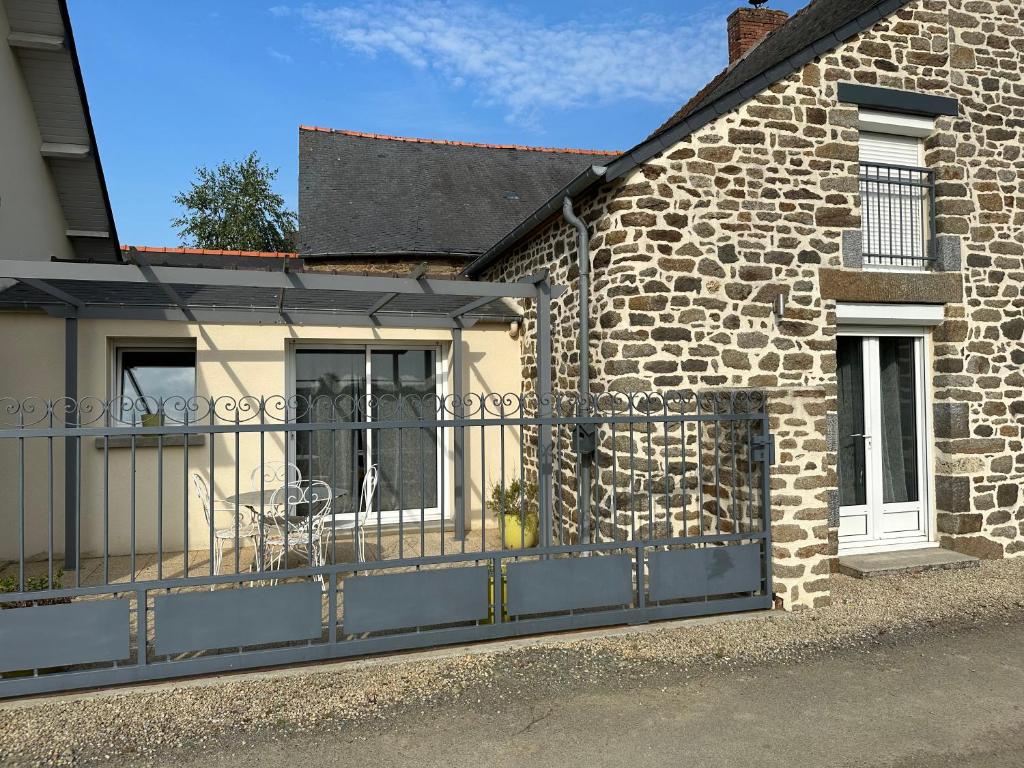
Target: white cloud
525, 64
282, 57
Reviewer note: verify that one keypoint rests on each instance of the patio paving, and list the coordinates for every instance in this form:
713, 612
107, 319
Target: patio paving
95, 571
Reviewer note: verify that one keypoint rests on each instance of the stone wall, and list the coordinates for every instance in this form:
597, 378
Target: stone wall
387, 266
691, 249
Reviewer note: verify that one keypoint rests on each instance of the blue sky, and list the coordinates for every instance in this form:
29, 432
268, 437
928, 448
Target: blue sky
174, 85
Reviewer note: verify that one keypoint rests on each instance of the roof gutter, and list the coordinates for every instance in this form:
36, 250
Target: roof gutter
584, 432
406, 254
591, 176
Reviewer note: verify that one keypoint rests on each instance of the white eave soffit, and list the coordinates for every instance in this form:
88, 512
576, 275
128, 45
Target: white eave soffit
899, 125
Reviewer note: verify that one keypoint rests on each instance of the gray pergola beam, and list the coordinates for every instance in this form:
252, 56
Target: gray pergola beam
386, 299
57, 293
483, 301
169, 292
268, 316
237, 278
535, 279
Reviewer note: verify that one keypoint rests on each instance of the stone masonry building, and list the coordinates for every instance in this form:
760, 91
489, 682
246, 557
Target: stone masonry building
838, 219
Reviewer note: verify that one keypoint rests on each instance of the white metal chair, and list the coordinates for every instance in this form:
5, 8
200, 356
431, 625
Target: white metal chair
274, 474
357, 523
305, 508
247, 528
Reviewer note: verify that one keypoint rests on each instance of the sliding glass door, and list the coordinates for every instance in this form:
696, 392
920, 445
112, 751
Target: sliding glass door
371, 384
330, 386
403, 385
881, 440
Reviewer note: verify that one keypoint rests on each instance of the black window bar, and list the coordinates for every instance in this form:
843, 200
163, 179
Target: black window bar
898, 215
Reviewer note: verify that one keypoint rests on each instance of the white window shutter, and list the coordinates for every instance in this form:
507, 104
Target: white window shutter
893, 204
890, 150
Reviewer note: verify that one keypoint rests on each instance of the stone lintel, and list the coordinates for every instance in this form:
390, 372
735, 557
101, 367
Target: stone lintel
891, 287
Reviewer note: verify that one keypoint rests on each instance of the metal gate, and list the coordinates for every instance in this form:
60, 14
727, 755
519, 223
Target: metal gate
235, 533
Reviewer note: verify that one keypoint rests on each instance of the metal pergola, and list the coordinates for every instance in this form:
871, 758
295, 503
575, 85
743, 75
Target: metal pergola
79, 291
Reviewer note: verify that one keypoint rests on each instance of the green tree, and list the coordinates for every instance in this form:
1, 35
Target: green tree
233, 207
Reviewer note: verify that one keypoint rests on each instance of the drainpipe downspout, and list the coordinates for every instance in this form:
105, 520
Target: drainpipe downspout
584, 433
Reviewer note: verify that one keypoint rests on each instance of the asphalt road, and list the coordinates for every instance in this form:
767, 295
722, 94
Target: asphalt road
941, 700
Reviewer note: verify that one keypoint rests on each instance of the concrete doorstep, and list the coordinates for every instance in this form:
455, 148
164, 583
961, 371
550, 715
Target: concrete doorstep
908, 561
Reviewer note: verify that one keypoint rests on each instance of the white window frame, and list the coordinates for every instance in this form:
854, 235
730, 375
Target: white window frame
445, 463
886, 123
119, 346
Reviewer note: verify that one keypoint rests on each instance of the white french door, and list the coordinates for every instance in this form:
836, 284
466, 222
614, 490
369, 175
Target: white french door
883, 487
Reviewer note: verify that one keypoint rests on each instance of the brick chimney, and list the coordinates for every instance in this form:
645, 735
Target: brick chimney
749, 26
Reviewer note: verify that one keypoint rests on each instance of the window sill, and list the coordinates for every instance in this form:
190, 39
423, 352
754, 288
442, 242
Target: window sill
905, 268
150, 441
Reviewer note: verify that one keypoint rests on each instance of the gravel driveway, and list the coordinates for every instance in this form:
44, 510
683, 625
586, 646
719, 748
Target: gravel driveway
154, 725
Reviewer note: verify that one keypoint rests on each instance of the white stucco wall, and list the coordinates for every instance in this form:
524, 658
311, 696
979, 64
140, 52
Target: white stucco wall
231, 361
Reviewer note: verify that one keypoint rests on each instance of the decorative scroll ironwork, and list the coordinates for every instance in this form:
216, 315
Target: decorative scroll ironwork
179, 411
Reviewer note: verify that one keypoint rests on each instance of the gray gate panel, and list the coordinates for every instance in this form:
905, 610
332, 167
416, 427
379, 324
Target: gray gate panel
417, 599
734, 569
683, 573
565, 584
676, 574
230, 618
62, 635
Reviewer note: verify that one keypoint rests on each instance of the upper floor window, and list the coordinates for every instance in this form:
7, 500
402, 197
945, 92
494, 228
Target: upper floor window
897, 201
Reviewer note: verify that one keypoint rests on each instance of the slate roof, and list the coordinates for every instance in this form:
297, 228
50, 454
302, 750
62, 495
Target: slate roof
812, 23
364, 194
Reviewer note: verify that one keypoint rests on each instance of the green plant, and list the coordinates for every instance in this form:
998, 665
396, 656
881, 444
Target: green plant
515, 499
9, 584
234, 207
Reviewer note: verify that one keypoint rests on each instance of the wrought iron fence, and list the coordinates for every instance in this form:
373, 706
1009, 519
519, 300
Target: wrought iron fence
239, 532
898, 215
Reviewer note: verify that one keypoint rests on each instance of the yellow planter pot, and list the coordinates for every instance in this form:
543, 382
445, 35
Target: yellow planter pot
513, 535
152, 419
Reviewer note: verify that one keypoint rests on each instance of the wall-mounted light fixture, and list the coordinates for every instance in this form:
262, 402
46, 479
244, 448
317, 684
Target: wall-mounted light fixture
780, 306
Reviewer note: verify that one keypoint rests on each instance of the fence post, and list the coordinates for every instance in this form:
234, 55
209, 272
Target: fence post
458, 438
544, 410
71, 445
767, 457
